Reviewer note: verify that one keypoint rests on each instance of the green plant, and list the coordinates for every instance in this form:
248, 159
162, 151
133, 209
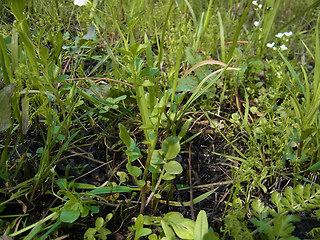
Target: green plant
152, 110
174, 225
307, 111
273, 223
99, 231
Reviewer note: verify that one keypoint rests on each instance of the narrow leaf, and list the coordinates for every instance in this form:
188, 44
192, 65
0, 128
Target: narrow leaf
5, 106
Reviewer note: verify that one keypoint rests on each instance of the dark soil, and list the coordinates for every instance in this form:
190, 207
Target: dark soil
98, 158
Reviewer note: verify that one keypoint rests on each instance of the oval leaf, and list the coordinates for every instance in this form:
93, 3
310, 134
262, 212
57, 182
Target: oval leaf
171, 147
173, 167
183, 228
201, 227
69, 216
133, 170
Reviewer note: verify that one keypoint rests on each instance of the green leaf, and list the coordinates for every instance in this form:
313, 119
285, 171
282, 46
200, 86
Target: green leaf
294, 74
168, 177
84, 186
156, 157
188, 84
115, 189
62, 183
133, 170
124, 135
25, 114
258, 206
141, 182
123, 177
201, 226
103, 232
5, 62
108, 217
89, 234
94, 209
70, 215
283, 226
99, 223
183, 227
5, 106
315, 167
173, 167
84, 210
167, 231
147, 83
185, 128
171, 147
140, 231
211, 236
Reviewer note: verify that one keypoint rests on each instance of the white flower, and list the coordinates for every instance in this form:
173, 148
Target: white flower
279, 35
270, 45
256, 23
260, 6
52, 168
283, 47
288, 34
80, 2
254, 2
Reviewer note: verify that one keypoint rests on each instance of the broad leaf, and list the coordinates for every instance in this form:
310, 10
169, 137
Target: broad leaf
133, 170
201, 226
183, 227
167, 231
171, 147
70, 212
173, 167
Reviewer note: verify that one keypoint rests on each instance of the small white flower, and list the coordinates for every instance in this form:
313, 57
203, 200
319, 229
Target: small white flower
270, 45
288, 34
283, 47
52, 168
80, 2
256, 23
254, 2
260, 6
279, 35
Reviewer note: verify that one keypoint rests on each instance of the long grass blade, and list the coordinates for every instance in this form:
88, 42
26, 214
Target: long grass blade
237, 33
294, 74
